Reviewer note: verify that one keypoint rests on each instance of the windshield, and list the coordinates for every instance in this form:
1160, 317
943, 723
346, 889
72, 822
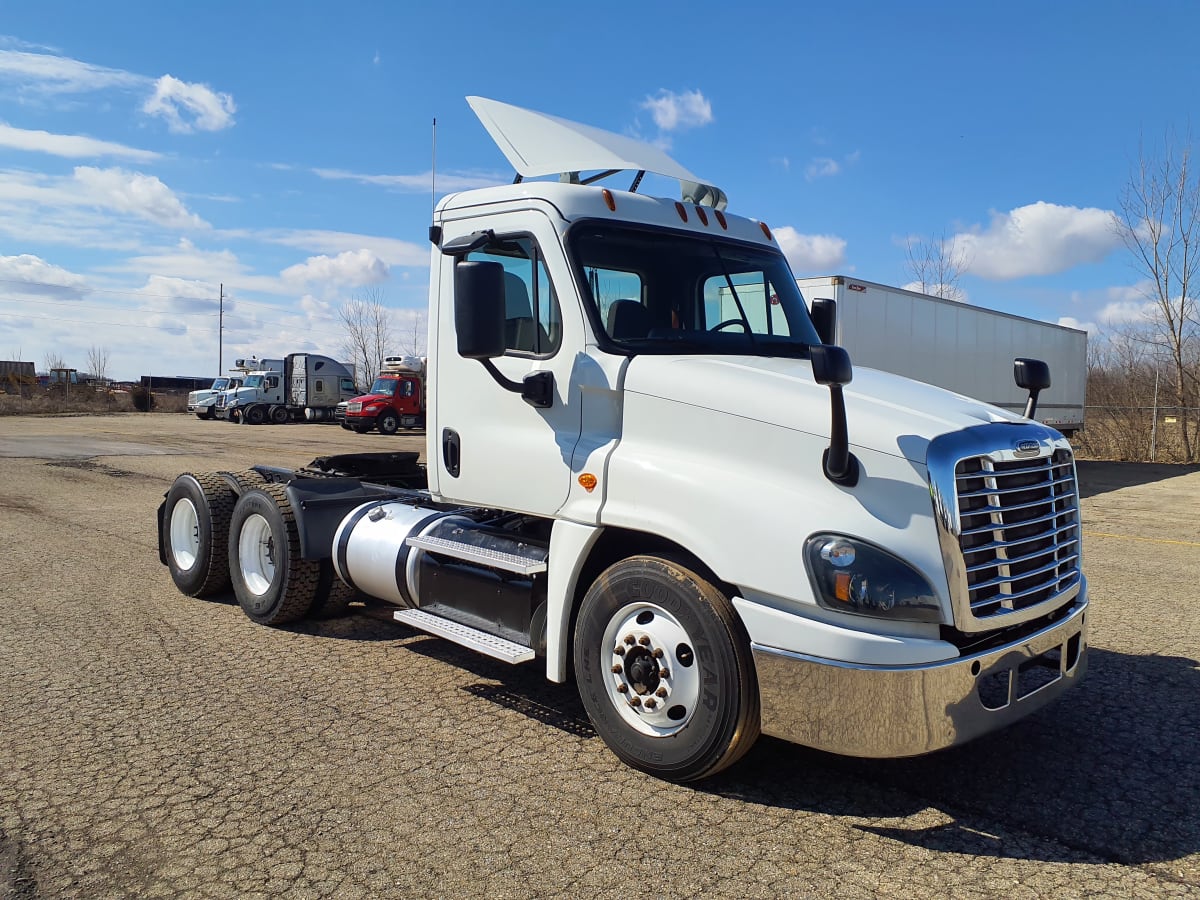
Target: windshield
655, 291
220, 384
384, 386
253, 381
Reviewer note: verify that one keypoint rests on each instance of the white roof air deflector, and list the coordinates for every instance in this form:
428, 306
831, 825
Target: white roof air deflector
539, 144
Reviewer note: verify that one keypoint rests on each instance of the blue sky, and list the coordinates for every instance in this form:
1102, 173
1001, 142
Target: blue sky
152, 151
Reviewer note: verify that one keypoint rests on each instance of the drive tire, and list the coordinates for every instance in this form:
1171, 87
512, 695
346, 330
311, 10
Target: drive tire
388, 423
255, 415
195, 533
273, 584
704, 714
279, 415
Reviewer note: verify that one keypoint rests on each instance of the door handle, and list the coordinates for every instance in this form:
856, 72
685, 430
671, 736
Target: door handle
451, 451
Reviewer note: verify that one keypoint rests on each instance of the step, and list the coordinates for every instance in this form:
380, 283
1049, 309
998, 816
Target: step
497, 559
472, 638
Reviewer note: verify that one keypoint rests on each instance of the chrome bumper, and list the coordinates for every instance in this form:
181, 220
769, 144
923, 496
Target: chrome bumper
890, 711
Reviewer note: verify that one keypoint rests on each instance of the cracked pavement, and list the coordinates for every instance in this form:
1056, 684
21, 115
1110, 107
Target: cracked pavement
153, 745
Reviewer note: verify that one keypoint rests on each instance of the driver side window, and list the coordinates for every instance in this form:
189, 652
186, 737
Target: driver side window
532, 318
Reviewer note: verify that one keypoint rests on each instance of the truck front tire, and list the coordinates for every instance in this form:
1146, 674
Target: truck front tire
388, 423
664, 669
273, 584
255, 415
196, 532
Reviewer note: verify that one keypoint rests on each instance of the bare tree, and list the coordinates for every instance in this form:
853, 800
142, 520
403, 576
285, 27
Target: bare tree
935, 266
415, 333
98, 365
1157, 220
53, 361
368, 338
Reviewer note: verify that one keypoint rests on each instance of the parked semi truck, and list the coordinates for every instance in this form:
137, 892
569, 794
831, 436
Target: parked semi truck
717, 529
204, 402
301, 386
960, 347
396, 399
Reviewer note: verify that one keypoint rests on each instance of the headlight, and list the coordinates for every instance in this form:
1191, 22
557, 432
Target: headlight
852, 576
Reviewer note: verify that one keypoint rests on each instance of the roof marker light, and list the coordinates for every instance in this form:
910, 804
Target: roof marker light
679, 208
702, 215
721, 218
609, 200
766, 231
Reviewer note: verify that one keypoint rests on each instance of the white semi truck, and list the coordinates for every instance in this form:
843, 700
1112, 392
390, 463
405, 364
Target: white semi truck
204, 402
301, 386
714, 527
958, 346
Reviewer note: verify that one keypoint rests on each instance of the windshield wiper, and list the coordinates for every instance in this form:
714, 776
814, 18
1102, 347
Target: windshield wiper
733, 291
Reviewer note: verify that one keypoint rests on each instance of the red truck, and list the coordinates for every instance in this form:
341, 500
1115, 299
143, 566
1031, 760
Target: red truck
396, 399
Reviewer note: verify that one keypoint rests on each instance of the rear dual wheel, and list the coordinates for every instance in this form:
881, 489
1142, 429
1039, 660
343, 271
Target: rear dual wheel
195, 533
664, 669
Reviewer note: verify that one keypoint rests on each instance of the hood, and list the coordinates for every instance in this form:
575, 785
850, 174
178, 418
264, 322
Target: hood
364, 399
884, 412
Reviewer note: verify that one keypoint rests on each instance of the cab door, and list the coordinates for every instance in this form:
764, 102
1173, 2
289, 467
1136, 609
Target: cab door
492, 447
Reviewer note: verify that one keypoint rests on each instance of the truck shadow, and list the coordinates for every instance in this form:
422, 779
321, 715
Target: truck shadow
1110, 772
1098, 477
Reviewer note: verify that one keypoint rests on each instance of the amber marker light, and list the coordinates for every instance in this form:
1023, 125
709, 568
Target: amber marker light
721, 219
609, 200
766, 230
841, 586
587, 481
679, 208
703, 216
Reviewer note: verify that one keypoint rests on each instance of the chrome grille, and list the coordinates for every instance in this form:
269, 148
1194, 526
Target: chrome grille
1018, 532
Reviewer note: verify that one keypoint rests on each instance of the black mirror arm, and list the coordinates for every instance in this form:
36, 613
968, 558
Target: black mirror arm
536, 389
1031, 403
840, 465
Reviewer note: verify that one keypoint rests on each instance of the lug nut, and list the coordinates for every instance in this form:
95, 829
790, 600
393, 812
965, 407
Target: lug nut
664, 672
635, 701
661, 692
644, 641
658, 654
629, 639
622, 688
617, 668
620, 651
651, 703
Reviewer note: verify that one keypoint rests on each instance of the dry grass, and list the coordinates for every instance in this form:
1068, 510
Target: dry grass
42, 402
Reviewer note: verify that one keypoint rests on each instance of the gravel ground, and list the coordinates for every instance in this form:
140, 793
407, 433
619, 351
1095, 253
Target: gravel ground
152, 745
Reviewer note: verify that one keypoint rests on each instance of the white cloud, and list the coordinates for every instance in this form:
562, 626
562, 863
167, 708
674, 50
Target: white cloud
819, 253
945, 291
353, 267
1071, 322
71, 146
32, 276
422, 182
1127, 312
392, 251
48, 73
136, 194
208, 109
673, 111
1039, 239
821, 167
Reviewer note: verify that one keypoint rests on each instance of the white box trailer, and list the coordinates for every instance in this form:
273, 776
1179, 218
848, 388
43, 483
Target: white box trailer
957, 346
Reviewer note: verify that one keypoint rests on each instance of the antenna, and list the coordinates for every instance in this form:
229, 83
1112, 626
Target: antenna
433, 170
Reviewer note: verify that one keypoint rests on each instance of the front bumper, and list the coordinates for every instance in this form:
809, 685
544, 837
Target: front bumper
892, 711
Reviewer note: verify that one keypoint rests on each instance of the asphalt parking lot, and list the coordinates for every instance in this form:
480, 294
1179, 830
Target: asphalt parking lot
153, 745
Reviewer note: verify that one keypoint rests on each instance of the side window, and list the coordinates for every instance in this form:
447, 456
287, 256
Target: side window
319, 386
532, 318
751, 299
407, 389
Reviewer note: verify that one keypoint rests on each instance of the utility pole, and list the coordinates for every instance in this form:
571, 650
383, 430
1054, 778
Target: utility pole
221, 334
